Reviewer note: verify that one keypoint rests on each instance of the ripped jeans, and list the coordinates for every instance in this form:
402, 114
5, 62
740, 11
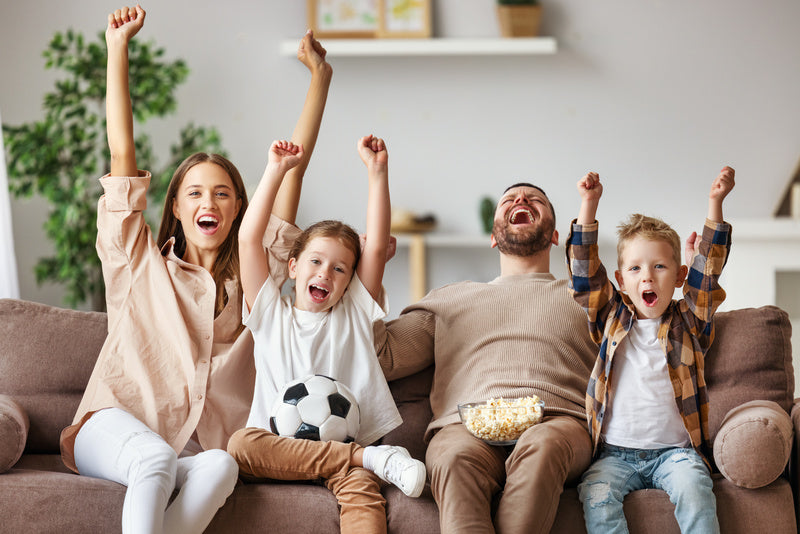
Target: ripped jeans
619, 470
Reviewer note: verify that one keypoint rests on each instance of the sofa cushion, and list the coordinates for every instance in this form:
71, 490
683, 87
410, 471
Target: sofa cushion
13, 432
46, 357
753, 444
750, 359
411, 395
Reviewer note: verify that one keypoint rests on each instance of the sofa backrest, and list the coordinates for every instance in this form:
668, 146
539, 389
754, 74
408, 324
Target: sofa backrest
47, 355
750, 359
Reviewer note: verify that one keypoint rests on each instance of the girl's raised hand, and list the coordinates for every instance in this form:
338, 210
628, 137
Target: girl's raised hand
285, 154
125, 22
373, 151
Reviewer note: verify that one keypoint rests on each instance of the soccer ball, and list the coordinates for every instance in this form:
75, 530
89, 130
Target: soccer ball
316, 407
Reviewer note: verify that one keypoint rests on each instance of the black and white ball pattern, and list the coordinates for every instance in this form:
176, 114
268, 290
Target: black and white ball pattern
316, 407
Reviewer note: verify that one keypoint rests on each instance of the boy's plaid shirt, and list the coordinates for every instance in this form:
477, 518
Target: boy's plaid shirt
685, 334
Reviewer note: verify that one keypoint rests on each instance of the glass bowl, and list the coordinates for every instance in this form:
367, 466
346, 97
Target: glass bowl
501, 421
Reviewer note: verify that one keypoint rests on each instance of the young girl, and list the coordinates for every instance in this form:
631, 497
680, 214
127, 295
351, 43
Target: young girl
327, 330
176, 371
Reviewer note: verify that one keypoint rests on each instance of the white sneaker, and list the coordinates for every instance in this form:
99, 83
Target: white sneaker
394, 465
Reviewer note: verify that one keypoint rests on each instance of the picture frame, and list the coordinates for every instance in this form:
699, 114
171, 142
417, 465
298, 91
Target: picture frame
356, 19
405, 19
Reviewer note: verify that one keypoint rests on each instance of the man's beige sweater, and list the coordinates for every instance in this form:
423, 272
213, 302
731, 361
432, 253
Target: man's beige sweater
514, 336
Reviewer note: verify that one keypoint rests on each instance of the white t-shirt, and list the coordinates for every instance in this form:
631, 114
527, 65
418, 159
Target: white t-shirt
292, 343
642, 413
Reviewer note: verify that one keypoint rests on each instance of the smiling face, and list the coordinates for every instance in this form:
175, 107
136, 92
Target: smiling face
321, 272
524, 223
649, 274
206, 204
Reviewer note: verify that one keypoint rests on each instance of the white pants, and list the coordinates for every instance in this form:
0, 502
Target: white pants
116, 446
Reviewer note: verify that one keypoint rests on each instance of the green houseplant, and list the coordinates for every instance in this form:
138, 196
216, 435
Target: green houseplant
519, 18
61, 156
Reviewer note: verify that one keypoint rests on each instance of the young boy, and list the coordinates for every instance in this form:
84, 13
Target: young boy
646, 401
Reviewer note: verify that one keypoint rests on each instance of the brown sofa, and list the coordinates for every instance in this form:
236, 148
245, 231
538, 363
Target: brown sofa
47, 354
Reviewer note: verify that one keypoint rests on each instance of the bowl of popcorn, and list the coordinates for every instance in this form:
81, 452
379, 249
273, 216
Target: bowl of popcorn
501, 421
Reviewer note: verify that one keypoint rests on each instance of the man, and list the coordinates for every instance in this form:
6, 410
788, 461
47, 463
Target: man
518, 335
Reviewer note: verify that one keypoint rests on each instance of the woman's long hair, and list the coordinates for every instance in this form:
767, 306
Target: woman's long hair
226, 266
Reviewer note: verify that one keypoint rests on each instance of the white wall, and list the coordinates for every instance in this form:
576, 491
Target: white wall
656, 96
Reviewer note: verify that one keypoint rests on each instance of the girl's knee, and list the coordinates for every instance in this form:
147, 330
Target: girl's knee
237, 441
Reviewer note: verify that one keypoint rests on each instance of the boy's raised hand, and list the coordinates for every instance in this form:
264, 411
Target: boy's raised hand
590, 189
373, 152
723, 183
124, 23
691, 248
283, 155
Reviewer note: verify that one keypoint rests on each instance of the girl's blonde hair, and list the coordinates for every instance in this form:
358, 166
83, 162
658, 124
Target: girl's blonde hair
226, 266
649, 228
336, 229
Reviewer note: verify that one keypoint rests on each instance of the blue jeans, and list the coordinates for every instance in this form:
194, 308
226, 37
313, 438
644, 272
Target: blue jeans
619, 471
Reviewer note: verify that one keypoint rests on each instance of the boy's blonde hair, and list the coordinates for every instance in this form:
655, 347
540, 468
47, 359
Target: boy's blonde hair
649, 228
329, 228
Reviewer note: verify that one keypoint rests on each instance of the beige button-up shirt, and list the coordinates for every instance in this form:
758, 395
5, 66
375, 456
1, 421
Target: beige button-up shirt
166, 359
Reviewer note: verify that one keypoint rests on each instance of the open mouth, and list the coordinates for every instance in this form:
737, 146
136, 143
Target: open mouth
208, 224
318, 293
649, 298
521, 215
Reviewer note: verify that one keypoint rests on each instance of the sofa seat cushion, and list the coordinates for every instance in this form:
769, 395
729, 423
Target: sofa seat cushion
309, 507
13, 432
649, 511
40, 495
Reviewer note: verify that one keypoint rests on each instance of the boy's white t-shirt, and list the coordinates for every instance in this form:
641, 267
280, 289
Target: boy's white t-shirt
292, 343
642, 412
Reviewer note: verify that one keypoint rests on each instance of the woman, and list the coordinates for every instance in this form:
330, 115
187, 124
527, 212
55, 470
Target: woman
175, 375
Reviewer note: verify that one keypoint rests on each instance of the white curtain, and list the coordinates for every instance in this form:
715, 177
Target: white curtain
9, 283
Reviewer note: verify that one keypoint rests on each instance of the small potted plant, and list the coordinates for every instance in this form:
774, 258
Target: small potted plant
519, 18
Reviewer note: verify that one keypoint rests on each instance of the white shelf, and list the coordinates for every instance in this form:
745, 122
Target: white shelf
434, 239
776, 229
431, 47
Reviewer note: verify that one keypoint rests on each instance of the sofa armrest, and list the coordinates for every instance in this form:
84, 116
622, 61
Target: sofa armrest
14, 426
754, 444
794, 467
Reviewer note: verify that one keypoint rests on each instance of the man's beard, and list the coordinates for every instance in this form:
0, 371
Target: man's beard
523, 244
